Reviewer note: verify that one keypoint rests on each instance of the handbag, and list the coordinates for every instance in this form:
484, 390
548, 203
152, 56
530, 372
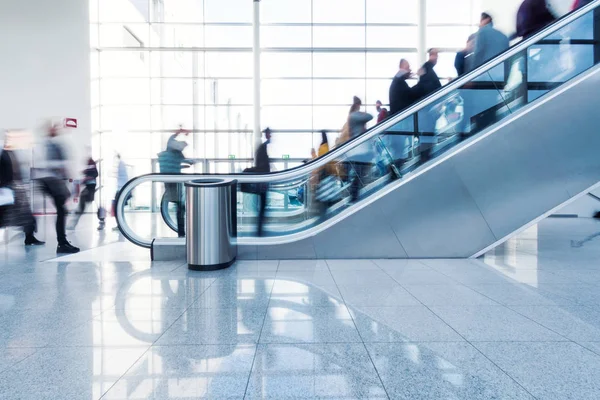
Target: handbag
7, 197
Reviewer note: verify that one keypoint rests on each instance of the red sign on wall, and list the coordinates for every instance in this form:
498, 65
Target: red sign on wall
70, 122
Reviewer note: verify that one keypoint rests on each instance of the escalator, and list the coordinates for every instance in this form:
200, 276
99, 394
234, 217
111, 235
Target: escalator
458, 173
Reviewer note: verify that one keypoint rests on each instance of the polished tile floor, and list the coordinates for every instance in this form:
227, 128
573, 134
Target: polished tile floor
523, 322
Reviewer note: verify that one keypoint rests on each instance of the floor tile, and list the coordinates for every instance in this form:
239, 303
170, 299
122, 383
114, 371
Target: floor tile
372, 279
11, 356
308, 324
285, 291
520, 295
215, 326
318, 277
493, 323
400, 324
441, 371
67, 373
577, 323
189, 372
312, 371
238, 293
549, 370
302, 265
450, 295
352, 265
400, 265
420, 277
388, 295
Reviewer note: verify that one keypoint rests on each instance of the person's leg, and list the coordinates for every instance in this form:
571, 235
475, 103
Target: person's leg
356, 181
180, 219
261, 212
61, 215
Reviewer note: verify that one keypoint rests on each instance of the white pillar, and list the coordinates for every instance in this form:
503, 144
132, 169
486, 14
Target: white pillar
256, 74
422, 49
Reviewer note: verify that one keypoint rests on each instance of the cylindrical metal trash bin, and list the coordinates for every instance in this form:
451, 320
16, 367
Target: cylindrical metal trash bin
211, 237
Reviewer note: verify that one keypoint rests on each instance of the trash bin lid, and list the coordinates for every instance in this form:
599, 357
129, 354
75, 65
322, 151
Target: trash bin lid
211, 182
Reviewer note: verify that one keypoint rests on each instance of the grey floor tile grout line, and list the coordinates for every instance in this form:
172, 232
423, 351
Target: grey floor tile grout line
157, 339
464, 338
261, 331
356, 327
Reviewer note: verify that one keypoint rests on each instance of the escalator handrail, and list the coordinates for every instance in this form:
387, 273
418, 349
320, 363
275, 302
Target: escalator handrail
303, 170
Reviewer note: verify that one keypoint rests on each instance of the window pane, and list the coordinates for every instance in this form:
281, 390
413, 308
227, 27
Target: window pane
233, 11
287, 117
282, 65
122, 118
123, 11
338, 91
228, 118
448, 36
391, 36
338, 36
342, 65
229, 64
124, 35
282, 91
170, 117
336, 11
228, 36
174, 91
393, 11
285, 36
377, 89
330, 117
294, 145
385, 65
171, 64
182, 11
233, 91
124, 91
172, 35
439, 11
124, 63
445, 66
285, 11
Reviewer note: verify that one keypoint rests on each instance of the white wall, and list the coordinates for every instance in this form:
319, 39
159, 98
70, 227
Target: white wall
45, 65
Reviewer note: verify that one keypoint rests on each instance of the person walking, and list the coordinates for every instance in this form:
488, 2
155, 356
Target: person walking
19, 213
489, 41
171, 161
382, 112
401, 95
87, 195
532, 16
464, 57
52, 180
429, 82
359, 157
262, 164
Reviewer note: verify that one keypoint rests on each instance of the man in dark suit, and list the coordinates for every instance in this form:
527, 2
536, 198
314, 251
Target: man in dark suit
262, 164
401, 95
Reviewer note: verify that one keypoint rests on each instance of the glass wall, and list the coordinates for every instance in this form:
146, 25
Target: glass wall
161, 64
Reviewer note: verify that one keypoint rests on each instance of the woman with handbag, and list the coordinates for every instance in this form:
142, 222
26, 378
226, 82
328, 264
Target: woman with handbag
16, 211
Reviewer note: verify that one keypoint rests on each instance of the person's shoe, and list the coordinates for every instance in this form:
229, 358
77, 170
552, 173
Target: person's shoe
67, 248
32, 241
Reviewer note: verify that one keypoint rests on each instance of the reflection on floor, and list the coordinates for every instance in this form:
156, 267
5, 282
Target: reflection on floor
521, 323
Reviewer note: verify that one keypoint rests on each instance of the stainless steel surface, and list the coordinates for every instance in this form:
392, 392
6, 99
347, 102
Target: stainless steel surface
211, 229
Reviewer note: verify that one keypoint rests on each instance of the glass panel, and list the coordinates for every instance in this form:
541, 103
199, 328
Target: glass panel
339, 65
123, 11
557, 63
284, 65
229, 91
331, 118
181, 11
388, 11
228, 36
287, 117
226, 65
285, 36
124, 91
285, 11
448, 36
171, 64
385, 65
174, 35
439, 12
285, 91
293, 145
235, 11
125, 63
175, 91
391, 37
123, 118
338, 36
338, 91
339, 11
124, 35
171, 117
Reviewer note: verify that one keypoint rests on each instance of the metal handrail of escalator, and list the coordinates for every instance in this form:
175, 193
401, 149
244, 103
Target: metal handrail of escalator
301, 171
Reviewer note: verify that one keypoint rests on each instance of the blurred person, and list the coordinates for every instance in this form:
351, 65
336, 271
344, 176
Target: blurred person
382, 112
171, 161
429, 82
324, 146
580, 3
345, 134
401, 95
52, 178
262, 164
489, 42
87, 195
122, 179
464, 57
19, 213
360, 159
533, 15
